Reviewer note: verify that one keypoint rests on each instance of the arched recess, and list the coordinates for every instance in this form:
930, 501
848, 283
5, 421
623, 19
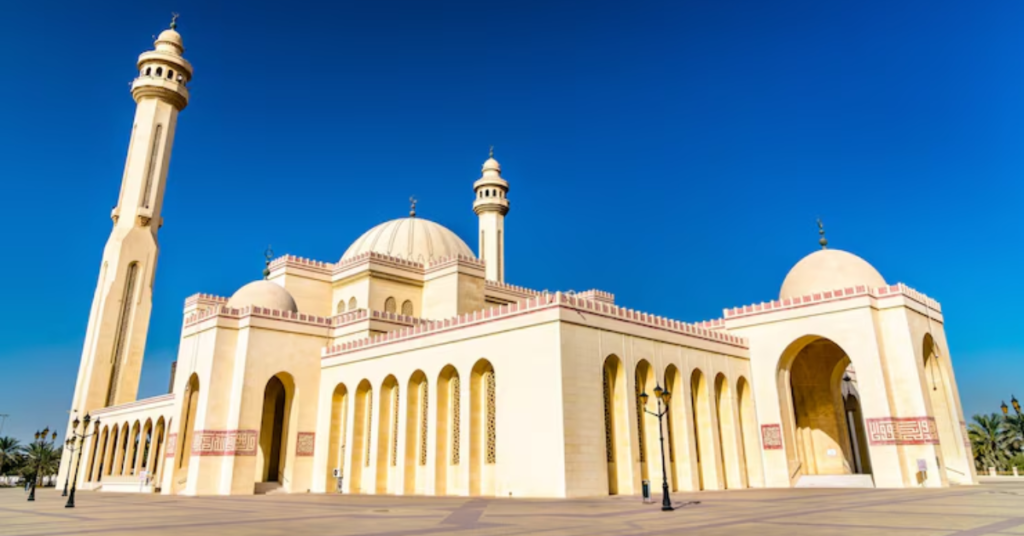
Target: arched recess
390, 306
189, 405
942, 401
675, 423
749, 438
157, 457
416, 411
123, 442
110, 453
99, 452
132, 457
362, 430
616, 426
703, 431
448, 458
387, 436
811, 376
646, 424
728, 438
483, 430
146, 446
275, 428
338, 430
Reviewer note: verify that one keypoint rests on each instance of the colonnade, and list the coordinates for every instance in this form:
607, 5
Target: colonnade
126, 449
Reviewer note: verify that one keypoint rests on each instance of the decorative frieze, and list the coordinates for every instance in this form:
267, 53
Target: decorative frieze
224, 443
902, 431
305, 444
771, 436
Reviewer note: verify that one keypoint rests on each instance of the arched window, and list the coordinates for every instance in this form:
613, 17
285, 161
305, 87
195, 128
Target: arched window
170, 74
341, 307
389, 305
352, 304
407, 308
149, 71
159, 71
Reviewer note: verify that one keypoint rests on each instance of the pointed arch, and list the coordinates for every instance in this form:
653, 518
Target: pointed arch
647, 424
482, 429
748, 434
387, 435
616, 426
675, 423
122, 450
943, 403
703, 432
362, 429
275, 428
416, 412
190, 403
728, 438
447, 436
338, 430
96, 472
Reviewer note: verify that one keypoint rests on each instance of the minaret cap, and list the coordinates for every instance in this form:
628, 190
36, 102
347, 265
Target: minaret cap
491, 164
170, 40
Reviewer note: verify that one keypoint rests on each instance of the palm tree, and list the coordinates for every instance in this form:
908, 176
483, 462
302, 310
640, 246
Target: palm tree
9, 449
41, 457
990, 440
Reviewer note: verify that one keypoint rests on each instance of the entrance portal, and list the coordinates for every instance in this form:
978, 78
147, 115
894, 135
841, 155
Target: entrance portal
823, 425
273, 430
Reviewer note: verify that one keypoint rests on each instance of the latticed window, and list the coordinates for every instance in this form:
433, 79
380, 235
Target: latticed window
394, 426
608, 445
455, 419
491, 410
407, 308
423, 422
640, 419
389, 305
369, 428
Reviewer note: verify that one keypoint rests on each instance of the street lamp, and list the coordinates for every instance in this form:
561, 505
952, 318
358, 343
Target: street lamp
663, 396
81, 446
41, 442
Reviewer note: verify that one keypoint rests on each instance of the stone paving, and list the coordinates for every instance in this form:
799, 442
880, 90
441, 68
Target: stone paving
960, 511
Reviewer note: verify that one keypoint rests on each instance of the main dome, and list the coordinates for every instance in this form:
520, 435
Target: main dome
263, 293
413, 239
829, 269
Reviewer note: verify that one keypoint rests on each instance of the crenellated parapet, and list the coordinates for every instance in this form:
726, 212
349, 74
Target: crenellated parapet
444, 262
535, 304
292, 261
816, 298
237, 313
379, 258
597, 295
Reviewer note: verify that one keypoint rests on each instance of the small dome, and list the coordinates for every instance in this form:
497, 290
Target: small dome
491, 164
413, 239
829, 269
170, 41
264, 293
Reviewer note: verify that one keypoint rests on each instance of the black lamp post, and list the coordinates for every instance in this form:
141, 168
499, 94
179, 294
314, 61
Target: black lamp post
81, 446
663, 396
41, 442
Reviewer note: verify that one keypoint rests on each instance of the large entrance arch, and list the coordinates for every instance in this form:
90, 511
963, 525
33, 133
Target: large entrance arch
272, 454
822, 422
190, 404
616, 426
943, 407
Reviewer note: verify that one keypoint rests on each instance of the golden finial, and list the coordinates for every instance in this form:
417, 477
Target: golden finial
821, 231
412, 206
491, 153
268, 255
174, 21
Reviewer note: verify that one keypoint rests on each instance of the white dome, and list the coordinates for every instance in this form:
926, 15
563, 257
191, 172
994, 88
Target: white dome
829, 269
264, 293
412, 239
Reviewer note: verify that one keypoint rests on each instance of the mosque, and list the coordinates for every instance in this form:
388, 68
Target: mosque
410, 366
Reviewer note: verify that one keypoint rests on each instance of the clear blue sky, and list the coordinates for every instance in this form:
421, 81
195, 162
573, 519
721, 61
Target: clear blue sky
674, 153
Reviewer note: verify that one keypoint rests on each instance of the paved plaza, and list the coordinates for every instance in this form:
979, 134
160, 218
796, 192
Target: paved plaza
962, 511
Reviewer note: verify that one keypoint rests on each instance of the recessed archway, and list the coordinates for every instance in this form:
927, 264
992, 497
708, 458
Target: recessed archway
703, 432
482, 429
447, 435
942, 405
751, 449
336, 442
814, 374
272, 455
387, 436
362, 429
616, 425
646, 424
728, 441
190, 403
416, 412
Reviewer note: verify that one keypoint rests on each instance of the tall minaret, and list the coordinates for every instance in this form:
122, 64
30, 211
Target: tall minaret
491, 205
119, 318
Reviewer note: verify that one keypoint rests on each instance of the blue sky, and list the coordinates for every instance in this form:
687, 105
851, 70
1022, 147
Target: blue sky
674, 153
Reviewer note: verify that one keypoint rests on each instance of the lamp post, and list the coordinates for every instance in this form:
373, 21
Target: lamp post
81, 446
663, 396
40, 442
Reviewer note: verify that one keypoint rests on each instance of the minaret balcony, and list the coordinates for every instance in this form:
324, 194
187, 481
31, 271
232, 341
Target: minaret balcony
169, 90
490, 204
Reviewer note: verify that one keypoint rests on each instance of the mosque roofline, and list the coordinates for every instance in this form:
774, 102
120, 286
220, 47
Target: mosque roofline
888, 291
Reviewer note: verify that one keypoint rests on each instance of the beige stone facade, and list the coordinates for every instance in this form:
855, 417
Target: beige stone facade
410, 366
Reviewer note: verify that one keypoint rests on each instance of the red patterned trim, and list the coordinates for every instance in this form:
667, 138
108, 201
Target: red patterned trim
224, 443
902, 431
816, 298
771, 436
172, 444
305, 444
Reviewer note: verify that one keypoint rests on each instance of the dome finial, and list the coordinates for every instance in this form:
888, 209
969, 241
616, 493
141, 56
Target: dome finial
821, 231
268, 255
412, 206
174, 21
490, 153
